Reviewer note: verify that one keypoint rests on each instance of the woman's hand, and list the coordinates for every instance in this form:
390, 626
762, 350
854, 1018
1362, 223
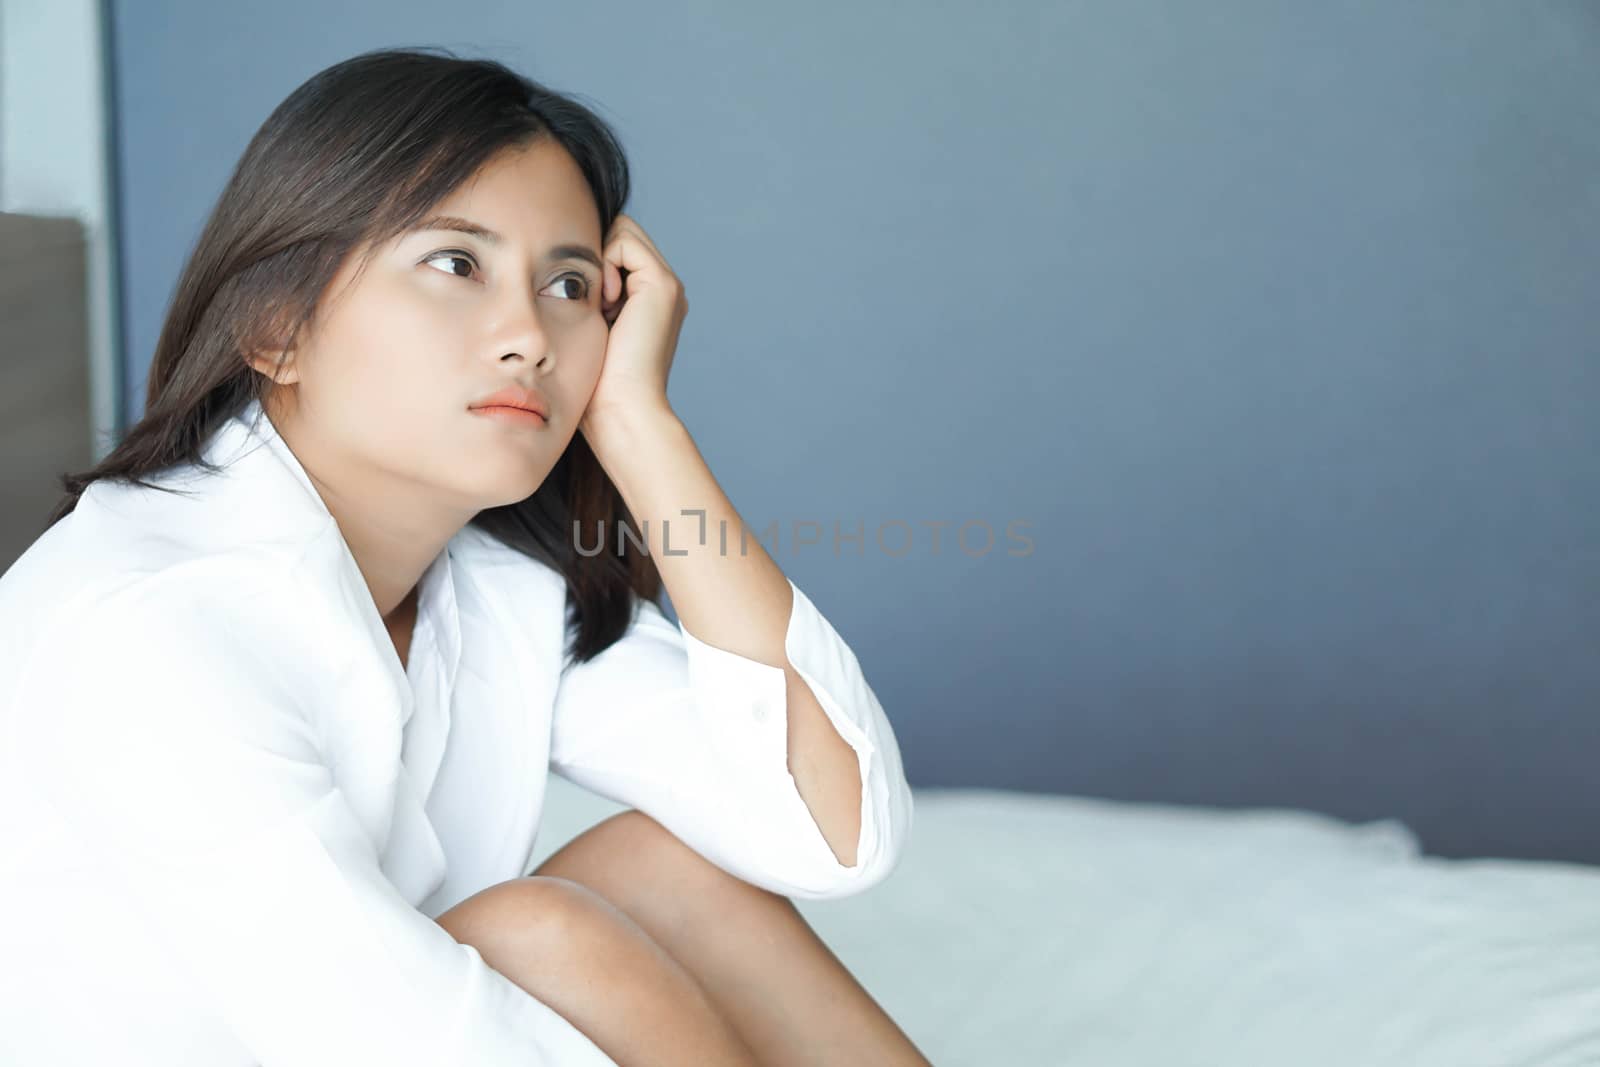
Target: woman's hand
645, 311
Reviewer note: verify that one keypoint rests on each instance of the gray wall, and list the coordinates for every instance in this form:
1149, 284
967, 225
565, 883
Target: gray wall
44, 371
1275, 320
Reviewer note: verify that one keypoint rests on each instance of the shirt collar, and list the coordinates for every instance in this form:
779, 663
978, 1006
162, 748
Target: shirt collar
265, 495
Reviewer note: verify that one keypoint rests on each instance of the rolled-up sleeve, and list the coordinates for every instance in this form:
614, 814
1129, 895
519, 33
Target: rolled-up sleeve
696, 737
177, 744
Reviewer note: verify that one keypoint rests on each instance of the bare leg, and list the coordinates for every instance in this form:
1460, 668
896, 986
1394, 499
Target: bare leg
590, 962
751, 950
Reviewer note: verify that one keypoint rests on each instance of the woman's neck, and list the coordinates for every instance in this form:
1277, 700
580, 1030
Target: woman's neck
401, 624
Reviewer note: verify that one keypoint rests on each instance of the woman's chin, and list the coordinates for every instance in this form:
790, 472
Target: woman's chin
511, 489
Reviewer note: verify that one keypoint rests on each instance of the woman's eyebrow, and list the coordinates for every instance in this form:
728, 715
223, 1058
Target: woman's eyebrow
467, 226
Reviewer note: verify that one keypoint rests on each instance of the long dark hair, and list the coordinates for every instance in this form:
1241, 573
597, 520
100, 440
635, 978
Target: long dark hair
359, 152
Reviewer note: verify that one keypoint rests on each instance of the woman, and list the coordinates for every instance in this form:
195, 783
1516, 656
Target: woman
283, 678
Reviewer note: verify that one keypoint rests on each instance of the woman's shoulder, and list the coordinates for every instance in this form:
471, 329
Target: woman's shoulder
120, 536
94, 581
185, 605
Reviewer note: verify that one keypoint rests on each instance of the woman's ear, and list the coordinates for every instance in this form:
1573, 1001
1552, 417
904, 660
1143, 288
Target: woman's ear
265, 351
277, 365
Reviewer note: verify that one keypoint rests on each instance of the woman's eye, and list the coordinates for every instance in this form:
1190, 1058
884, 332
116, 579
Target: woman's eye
582, 291
460, 257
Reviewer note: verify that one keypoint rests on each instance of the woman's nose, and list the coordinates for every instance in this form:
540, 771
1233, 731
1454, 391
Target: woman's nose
519, 333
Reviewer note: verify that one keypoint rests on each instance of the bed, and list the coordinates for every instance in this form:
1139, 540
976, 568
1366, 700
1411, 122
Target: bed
1070, 930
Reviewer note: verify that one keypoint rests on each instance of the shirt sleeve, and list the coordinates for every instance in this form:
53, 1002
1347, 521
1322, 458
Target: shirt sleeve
696, 737
171, 735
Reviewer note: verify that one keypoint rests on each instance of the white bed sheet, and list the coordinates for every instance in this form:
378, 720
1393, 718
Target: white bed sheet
1022, 929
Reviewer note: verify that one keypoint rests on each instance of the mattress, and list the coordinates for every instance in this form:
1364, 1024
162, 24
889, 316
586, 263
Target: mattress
1062, 930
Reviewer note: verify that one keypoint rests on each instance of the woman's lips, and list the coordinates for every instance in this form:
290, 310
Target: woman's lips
510, 414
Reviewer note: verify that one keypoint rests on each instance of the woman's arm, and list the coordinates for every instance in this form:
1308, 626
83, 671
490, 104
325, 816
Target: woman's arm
748, 729
728, 593
697, 737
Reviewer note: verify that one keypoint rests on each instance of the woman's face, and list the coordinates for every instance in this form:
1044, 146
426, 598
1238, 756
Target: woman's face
440, 319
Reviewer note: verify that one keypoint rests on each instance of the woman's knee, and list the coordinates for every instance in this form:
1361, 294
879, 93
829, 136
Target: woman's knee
632, 860
527, 918
593, 964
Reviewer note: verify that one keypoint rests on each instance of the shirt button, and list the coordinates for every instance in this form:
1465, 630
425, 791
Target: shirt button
760, 713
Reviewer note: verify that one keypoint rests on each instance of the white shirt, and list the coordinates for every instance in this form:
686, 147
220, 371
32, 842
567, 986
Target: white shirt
230, 816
